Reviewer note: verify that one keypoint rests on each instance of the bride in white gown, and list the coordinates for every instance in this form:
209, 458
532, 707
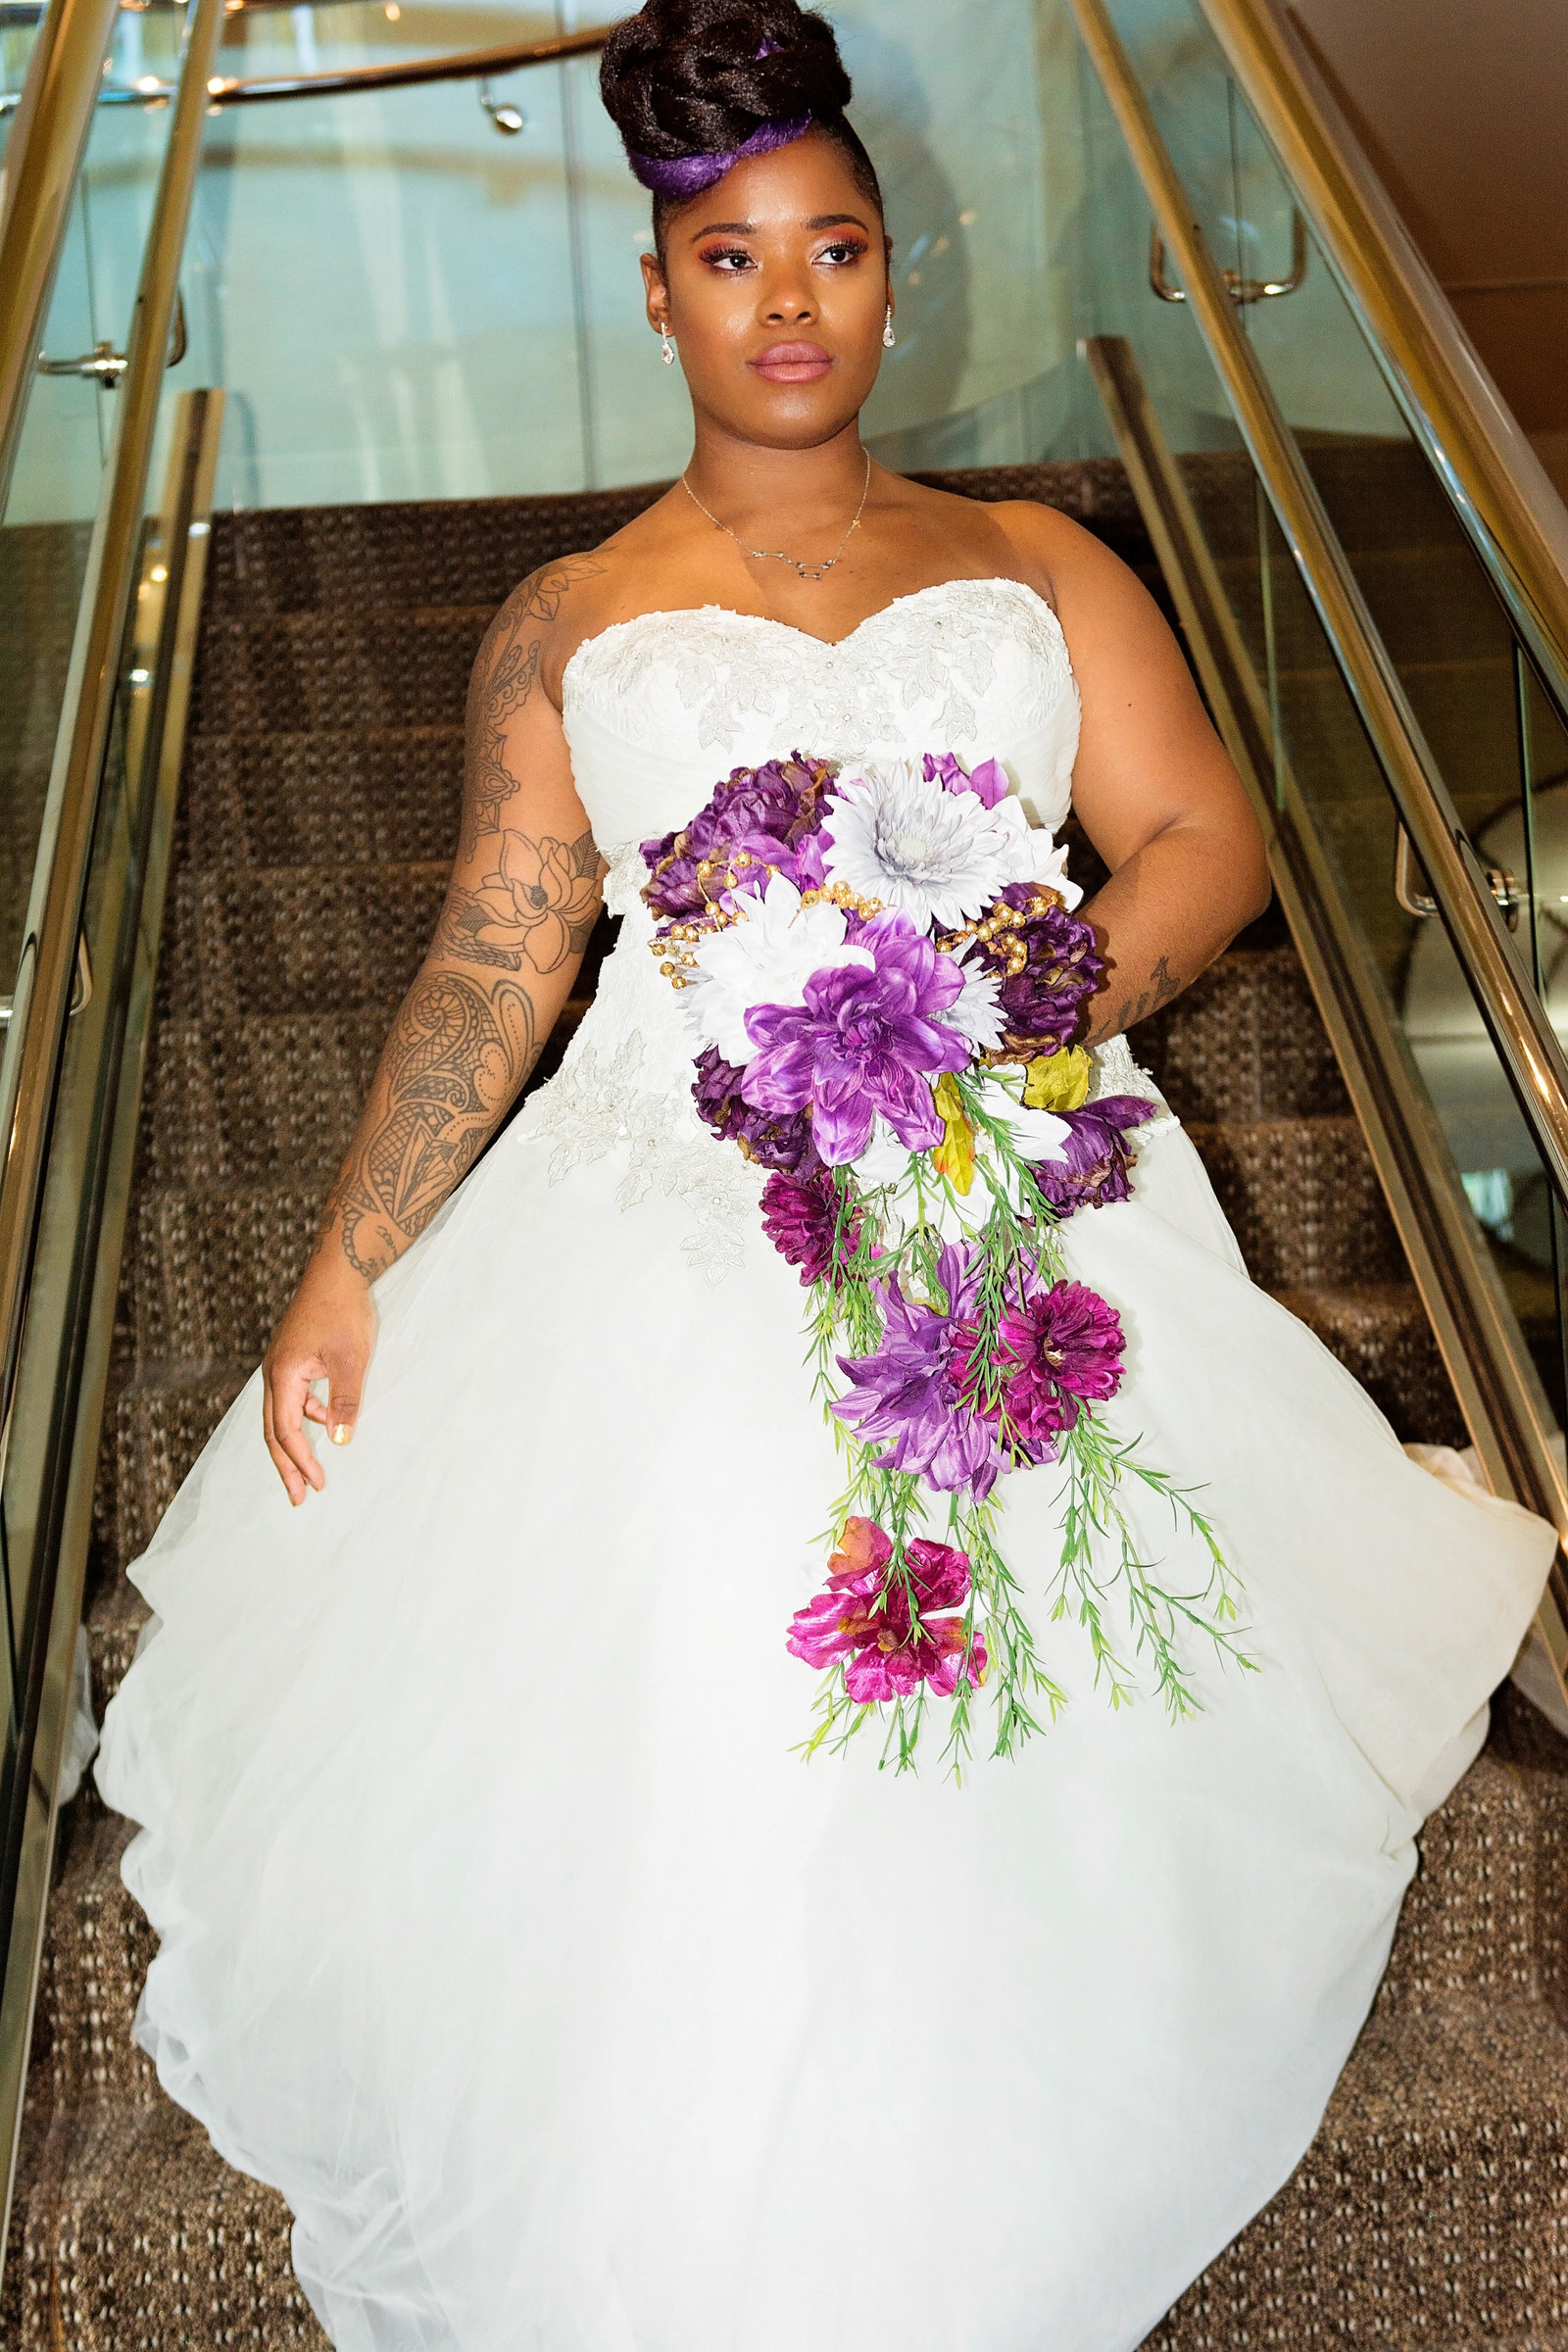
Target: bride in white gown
503, 1927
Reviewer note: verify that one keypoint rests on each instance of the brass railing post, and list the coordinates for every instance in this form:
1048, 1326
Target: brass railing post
43, 156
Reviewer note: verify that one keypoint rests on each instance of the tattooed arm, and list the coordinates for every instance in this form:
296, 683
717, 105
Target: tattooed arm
522, 900
1153, 784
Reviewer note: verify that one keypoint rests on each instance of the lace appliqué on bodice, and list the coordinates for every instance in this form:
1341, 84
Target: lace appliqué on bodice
933, 653
593, 1105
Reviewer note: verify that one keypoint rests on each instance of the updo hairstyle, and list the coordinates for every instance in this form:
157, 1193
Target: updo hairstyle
689, 79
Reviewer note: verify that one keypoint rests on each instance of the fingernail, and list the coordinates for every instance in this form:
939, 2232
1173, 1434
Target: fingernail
342, 1434
296, 1500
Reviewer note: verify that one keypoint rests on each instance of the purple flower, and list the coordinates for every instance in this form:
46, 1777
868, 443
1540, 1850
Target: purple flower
988, 782
1048, 964
864, 1617
766, 815
1057, 1348
800, 1218
863, 1042
909, 1397
1094, 1170
772, 1142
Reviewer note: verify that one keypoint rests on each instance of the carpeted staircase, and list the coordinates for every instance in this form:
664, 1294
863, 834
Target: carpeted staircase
320, 810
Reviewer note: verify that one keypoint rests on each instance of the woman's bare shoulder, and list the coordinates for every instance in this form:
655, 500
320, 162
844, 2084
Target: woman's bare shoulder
572, 597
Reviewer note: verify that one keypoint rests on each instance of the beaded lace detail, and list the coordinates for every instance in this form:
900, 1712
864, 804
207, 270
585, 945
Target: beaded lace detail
595, 1104
935, 651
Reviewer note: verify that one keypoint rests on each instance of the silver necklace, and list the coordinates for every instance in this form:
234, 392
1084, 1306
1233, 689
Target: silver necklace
777, 554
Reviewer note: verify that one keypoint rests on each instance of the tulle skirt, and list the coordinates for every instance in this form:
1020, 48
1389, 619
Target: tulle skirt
504, 1930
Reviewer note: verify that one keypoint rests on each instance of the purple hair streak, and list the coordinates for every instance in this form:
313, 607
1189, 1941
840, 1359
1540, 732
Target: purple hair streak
689, 175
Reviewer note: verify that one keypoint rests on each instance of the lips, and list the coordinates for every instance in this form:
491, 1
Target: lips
792, 363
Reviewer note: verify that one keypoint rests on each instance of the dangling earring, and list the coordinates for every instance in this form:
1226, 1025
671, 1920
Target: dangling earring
887, 336
668, 353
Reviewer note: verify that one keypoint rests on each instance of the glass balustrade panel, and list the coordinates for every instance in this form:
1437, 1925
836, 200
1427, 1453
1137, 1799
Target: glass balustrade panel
435, 291
1321, 747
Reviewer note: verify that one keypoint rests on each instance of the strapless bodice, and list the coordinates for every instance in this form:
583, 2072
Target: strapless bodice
658, 710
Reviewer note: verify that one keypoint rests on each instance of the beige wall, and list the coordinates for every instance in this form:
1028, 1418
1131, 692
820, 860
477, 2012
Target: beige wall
1463, 107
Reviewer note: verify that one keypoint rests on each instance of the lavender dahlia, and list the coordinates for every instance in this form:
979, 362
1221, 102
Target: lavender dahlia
912, 1397
864, 1044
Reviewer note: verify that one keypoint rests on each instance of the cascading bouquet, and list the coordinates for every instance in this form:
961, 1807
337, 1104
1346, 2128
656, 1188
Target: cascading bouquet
885, 976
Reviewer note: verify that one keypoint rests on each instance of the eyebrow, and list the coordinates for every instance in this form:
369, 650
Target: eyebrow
748, 228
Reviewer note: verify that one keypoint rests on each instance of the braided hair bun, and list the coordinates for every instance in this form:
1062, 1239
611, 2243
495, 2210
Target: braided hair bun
692, 84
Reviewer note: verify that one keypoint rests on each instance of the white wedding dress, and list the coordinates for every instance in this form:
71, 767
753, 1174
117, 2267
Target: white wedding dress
501, 1928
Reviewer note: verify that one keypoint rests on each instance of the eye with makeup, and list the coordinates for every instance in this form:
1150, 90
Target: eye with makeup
728, 260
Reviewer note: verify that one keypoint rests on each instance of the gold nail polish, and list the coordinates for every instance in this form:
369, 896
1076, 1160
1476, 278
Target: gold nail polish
342, 1434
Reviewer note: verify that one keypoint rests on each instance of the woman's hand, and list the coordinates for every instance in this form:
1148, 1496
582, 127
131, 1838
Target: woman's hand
327, 1334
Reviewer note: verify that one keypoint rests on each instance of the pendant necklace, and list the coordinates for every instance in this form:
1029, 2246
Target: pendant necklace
777, 554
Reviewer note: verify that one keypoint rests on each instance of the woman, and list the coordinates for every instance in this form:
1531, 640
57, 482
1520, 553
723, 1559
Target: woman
501, 1926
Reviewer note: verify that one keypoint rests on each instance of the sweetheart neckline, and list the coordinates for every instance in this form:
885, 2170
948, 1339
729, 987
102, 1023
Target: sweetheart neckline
826, 644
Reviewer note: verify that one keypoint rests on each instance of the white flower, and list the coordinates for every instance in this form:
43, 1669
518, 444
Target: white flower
938, 857
885, 1160
765, 959
1036, 1134
1050, 865
977, 1014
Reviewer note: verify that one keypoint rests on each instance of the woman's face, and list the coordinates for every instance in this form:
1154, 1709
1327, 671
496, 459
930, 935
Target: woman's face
774, 286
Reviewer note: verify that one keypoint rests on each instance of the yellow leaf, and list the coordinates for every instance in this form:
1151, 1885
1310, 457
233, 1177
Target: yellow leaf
953, 1156
1058, 1081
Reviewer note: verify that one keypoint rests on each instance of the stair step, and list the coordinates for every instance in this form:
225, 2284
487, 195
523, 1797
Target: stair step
137, 2234
97, 1950
432, 551
156, 1425
114, 1629
1432, 2207
1380, 493
1379, 1333
211, 1272
1303, 1200
340, 668
279, 560
388, 794
266, 1098
1430, 604
244, 940
1245, 1042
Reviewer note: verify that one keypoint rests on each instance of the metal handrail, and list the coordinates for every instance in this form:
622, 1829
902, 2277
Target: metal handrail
1477, 1332
47, 967
1501, 491
43, 157
462, 65
1510, 1006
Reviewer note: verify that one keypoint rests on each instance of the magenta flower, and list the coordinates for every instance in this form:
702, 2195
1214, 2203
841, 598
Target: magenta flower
864, 1617
909, 1397
988, 782
801, 1217
771, 1142
1057, 1350
864, 1044
768, 814
1048, 964
1094, 1170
